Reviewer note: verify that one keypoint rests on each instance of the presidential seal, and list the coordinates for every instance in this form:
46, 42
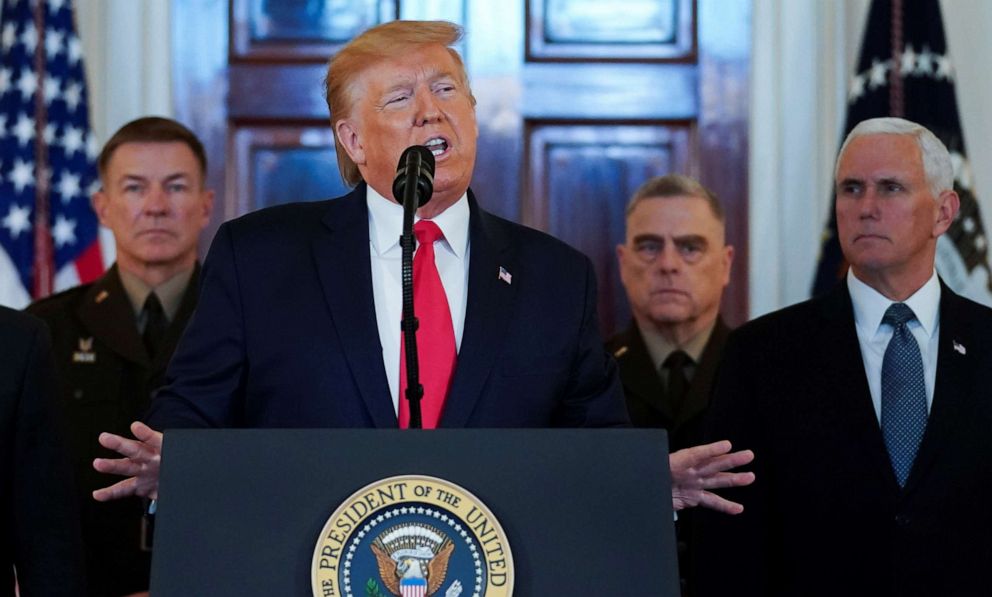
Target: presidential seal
412, 536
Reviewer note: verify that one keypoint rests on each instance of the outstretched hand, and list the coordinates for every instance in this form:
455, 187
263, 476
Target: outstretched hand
140, 463
698, 469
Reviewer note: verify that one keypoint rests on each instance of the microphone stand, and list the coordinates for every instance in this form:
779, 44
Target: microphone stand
409, 323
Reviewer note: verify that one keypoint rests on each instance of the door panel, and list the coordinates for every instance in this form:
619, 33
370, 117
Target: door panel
578, 102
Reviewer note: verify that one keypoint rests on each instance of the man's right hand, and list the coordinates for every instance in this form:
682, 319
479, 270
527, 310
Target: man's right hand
140, 463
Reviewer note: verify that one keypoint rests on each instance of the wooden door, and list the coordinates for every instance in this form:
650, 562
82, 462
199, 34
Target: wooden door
579, 102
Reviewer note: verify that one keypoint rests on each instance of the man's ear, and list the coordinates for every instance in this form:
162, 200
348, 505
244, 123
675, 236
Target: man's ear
99, 201
948, 204
728, 259
349, 138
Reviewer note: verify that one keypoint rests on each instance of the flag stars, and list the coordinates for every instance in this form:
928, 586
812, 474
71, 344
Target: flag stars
27, 84
52, 88
876, 75
962, 170
979, 242
924, 62
29, 37
73, 95
72, 140
857, 87
945, 68
9, 36
22, 175
55, 5
17, 220
5, 75
24, 129
68, 186
75, 49
92, 147
63, 232
968, 224
54, 43
907, 63
49, 133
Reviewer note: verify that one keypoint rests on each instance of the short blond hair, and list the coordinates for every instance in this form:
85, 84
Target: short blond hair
381, 42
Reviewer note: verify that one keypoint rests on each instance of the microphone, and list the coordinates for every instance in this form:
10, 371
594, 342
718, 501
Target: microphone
414, 174
413, 187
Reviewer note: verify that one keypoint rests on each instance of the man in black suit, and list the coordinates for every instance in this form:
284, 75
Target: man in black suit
298, 320
40, 541
674, 264
868, 408
113, 338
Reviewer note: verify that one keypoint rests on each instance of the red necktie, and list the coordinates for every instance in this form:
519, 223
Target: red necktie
435, 336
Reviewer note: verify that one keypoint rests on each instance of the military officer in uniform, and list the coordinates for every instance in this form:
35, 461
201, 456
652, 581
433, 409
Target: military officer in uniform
674, 265
113, 338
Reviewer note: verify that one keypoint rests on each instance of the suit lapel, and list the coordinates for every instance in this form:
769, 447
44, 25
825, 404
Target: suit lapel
100, 314
953, 386
344, 267
846, 381
489, 305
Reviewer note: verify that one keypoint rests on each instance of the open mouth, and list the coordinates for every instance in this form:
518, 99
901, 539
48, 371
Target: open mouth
437, 146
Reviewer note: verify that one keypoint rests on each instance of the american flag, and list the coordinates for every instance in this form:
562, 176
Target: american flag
906, 70
48, 231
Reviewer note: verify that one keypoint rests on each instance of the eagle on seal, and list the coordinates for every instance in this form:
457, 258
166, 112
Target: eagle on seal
412, 560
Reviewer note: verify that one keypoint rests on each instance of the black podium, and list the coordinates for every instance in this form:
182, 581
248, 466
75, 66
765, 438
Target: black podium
585, 512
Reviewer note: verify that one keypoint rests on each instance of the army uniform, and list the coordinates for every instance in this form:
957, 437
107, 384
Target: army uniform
649, 405
106, 378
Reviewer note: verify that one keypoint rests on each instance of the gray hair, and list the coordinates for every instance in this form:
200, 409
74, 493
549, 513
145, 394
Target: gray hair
675, 185
937, 166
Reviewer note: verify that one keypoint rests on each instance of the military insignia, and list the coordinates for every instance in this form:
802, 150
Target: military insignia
85, 353
412, 536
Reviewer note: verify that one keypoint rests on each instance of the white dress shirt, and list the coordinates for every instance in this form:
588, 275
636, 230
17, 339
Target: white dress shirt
874, 336
450, 255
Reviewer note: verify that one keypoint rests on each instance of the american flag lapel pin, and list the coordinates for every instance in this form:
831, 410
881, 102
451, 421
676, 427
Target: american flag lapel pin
505, 275
958, 347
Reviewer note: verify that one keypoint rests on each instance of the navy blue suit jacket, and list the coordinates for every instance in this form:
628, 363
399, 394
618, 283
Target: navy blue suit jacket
285, 334
825, 515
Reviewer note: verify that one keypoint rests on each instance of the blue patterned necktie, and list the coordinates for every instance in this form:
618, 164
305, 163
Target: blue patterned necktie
904, 392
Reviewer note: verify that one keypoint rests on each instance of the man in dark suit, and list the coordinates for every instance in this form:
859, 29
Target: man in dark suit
868, 408
298, 319
674, 264
40, 541
113, 338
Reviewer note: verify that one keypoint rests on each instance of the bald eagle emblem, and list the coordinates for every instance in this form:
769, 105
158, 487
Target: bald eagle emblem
412, 559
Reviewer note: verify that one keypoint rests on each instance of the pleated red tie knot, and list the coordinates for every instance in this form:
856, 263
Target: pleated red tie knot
427, 232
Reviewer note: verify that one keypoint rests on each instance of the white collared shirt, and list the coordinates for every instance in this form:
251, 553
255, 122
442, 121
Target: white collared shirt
874, 336
450, 255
